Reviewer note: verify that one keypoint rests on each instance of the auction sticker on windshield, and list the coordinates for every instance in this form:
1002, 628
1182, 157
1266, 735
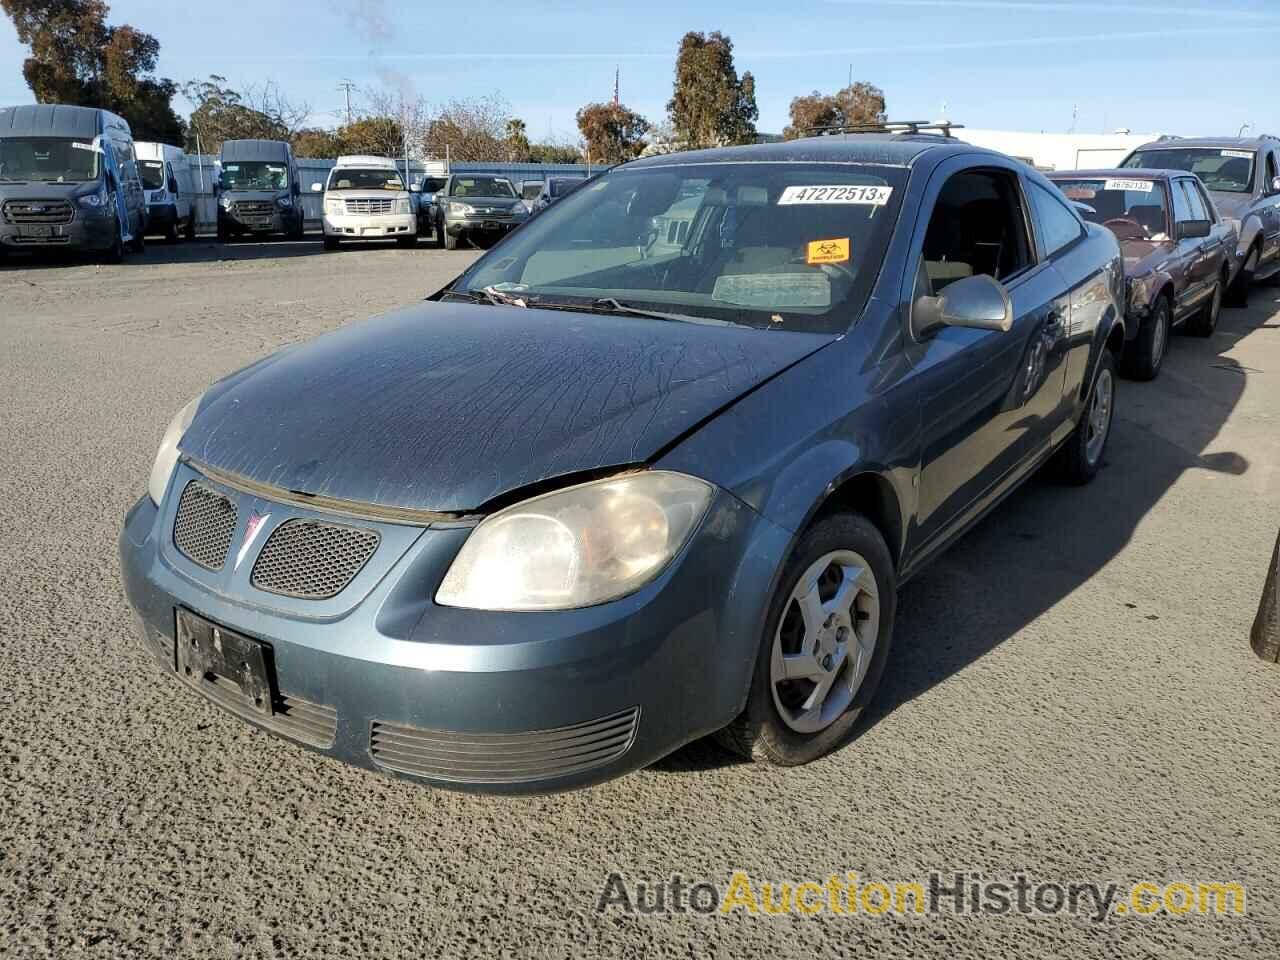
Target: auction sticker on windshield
1137, 186
828, 251
1238, 154
874, 196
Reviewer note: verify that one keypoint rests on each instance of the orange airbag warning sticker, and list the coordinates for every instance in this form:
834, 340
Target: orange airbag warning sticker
828, 251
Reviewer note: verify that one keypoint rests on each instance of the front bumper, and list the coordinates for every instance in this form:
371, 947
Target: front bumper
370, 228
457, 226
84, 232
279, 221
383, 678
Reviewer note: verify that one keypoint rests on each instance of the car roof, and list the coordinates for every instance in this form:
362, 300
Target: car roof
1211, 143
1134, 173
365, 160
56, 120
901, 150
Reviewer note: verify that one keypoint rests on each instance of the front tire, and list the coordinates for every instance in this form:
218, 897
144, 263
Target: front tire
1238, 293
825, 643
1081, 456
330, 243
115, 253
1144, 355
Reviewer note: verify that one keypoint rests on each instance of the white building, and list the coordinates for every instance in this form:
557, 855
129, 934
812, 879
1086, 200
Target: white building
1060, 151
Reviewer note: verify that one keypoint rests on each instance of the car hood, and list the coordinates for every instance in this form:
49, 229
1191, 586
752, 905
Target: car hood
1142, 257
1233, 205
31, 190
444, 407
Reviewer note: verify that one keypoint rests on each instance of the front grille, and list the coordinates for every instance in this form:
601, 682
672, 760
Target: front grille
490, 214
312, 559
38, 211
373, 206
315, 724
503, 757
253, 208
204, 524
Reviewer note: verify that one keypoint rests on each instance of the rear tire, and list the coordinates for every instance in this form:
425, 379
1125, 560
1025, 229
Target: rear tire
1143, 356
1205, 322
224, 235
786, 720
1081, 456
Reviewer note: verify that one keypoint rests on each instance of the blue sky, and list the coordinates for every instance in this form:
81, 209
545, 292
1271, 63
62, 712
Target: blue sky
1188, 66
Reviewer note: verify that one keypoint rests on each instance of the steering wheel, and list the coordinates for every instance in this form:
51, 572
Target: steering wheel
1126, 228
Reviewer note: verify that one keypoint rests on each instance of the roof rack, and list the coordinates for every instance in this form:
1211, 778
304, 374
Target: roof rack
943, 127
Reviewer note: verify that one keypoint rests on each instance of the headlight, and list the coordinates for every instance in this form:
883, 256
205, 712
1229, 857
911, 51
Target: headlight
167, 455
462, 209
92, 200
334, 207
577, 547
285, 202
1138, 292
402, 206
224, 203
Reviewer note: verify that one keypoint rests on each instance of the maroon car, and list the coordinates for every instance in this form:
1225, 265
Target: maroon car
1177, 253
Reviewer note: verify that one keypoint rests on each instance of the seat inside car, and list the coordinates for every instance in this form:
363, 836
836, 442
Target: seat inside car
972, 230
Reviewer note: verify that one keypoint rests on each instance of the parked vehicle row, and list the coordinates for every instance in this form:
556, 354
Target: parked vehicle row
652, 467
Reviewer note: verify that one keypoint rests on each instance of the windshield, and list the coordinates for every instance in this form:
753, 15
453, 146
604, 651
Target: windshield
789, 246
1131, 209
434, 184
481, 187
48, 158
560, 187
1227, 171
351, 179
152, 173
254, 175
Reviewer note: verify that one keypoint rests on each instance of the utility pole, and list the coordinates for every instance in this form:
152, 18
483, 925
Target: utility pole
617, 84
347, 86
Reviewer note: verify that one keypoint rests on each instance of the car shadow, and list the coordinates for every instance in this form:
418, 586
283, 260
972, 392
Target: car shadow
1048, 540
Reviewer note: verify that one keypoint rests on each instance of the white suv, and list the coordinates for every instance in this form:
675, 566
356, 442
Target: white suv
365, 199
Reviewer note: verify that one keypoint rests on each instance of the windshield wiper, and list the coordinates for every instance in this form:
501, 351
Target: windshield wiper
494, 295
616, 306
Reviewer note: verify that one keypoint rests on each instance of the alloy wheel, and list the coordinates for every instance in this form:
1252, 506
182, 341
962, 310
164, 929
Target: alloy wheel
825, 641
1100, 415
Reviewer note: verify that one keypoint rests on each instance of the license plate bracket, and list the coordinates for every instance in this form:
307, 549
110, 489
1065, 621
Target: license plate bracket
491, 225
211, 654
42, 230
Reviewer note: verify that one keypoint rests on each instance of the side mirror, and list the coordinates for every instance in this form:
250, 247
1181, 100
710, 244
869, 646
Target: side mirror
317, 188
1194, 229
415, 188
1275, 185
980, 303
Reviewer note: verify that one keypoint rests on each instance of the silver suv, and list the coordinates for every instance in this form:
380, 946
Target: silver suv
1242, 176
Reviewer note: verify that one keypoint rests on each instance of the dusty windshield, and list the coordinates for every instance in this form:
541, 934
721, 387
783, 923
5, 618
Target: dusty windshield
788, 246
152, 173
481, 187
1226, 171
1131, 209
51, 159
254, 175
351, 179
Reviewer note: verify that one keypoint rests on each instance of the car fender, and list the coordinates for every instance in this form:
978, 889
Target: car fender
1112, 324
1251, 233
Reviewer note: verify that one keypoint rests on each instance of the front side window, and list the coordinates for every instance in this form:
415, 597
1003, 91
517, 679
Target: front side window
977, 228
254, 175
152, 173
1058, 224
1194, 204
1227, 171
481, 187
560, 188
1131, 209
788, 246
48, 159
1181, 204
349, 178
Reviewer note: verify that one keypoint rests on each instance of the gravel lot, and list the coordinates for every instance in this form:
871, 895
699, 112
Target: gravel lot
1071, 693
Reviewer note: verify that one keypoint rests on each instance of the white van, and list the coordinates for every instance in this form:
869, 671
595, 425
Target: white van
170, 188
365, 199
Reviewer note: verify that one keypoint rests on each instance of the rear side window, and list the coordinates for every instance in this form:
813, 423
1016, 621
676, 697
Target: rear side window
1058, 224
1181, 204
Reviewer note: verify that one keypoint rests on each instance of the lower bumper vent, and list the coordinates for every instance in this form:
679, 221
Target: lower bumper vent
504, 757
